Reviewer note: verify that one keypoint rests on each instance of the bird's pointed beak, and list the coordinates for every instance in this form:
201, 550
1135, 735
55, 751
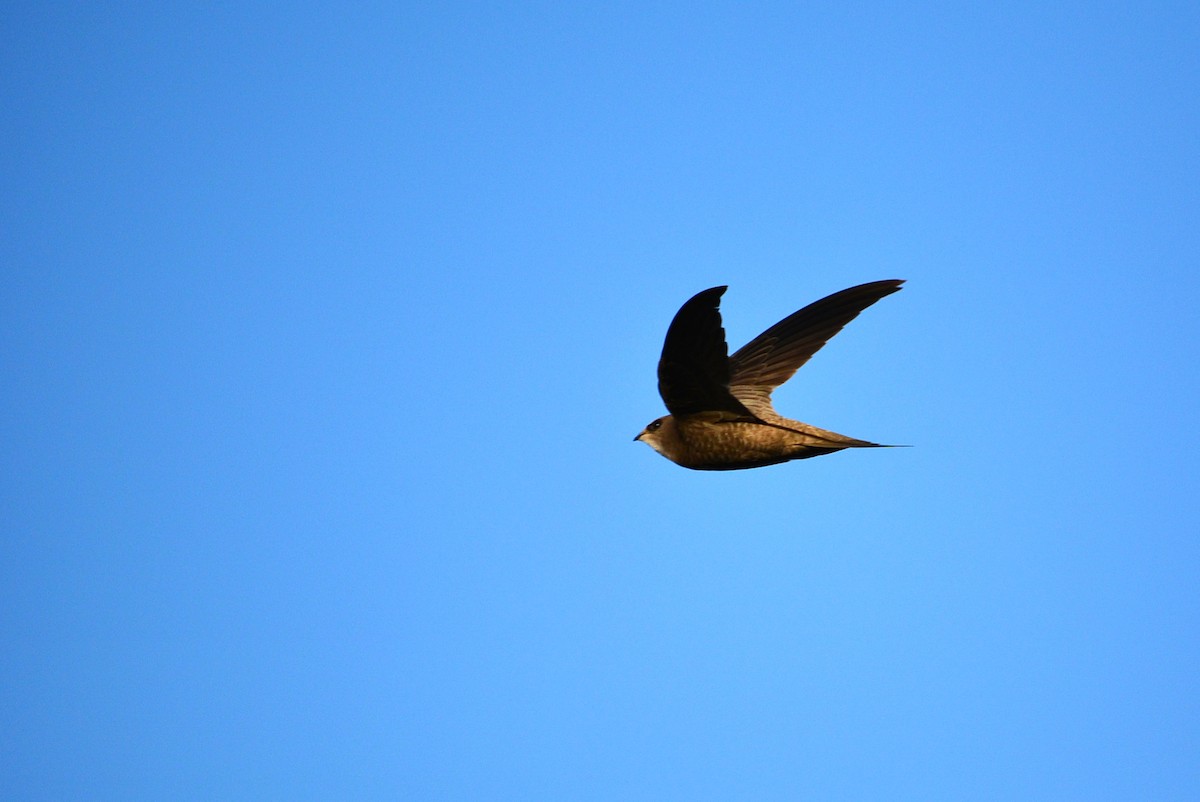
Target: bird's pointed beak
639, 436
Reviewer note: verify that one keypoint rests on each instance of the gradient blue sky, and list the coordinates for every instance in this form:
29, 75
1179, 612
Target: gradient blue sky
326, 330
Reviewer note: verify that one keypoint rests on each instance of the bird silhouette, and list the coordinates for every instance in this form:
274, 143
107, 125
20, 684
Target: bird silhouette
721, 414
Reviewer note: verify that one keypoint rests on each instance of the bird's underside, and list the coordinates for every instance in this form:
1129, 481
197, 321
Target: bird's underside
721, 413
715, 445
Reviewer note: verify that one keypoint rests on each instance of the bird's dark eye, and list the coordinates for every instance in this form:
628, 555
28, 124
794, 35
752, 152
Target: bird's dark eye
653, 427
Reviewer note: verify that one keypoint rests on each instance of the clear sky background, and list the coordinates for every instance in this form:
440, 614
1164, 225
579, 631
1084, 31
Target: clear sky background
327, 330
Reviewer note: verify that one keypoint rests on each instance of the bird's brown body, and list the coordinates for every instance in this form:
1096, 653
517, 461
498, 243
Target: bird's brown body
721, 415
711, 444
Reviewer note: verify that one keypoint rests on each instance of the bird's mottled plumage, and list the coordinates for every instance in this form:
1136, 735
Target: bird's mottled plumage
721, 415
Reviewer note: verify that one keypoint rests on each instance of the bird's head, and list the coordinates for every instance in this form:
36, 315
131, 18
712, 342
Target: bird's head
662, 436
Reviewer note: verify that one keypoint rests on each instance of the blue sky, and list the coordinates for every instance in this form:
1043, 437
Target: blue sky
327, 329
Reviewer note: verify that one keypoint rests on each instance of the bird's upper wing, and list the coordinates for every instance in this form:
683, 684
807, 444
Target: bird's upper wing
693, 372
774, 356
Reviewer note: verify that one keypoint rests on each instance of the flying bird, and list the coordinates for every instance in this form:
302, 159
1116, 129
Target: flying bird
721, 415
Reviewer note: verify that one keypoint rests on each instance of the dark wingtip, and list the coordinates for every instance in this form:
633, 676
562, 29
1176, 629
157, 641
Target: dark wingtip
893, 284
715, 292
875, 290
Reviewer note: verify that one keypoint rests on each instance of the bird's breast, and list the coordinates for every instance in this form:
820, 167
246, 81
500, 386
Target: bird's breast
717, 446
